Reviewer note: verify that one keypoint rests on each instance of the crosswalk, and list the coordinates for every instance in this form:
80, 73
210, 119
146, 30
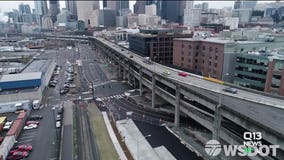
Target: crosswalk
111, 97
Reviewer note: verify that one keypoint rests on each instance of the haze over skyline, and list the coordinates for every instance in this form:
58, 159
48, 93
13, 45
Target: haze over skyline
6, 6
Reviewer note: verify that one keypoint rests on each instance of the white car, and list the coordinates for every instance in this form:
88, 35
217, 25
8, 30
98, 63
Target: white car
58, 124
31, 126
7, 125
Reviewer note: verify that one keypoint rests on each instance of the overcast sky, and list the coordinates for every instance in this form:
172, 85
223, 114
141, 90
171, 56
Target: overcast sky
9, 5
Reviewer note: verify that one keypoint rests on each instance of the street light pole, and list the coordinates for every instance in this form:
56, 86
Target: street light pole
149, 135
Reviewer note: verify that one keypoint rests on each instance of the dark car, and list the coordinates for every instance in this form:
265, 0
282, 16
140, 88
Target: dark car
231, 90
60, 110
35, 117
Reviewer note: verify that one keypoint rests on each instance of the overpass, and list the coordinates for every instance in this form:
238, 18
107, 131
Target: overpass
244, 111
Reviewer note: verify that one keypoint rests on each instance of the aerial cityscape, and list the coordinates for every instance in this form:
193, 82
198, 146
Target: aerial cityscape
141, 80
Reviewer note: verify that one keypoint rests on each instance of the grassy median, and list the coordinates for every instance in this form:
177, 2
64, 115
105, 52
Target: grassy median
105, 145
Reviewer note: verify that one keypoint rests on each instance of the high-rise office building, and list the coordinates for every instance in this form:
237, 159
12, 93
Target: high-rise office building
238, 4
249, 4
172, 11
40, 10
85, 10
24, 9
139, 7
118, 5
71, 6
192, 16
54, 9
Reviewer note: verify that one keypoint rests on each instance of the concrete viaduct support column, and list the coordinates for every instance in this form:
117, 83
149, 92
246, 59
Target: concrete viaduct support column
124, 73
217, 122
177, 106
140, 81
153, 90
128, 76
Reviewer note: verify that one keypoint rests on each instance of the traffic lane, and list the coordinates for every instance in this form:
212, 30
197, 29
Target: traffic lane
256, 112
160, 136
112, 88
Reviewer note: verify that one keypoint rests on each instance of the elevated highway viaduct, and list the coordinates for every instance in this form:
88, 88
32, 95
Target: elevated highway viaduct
224, 114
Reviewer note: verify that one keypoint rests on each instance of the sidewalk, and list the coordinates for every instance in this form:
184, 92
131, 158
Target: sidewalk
135, 141
66, 147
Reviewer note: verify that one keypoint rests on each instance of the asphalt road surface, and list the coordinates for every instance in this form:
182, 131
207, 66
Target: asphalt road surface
160, 136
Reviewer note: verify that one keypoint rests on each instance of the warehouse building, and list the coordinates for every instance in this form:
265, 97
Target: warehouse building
30, 84
20, 81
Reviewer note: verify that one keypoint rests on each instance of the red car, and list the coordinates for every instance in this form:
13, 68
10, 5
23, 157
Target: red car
25, 147
32, 122
183, 74
15, 154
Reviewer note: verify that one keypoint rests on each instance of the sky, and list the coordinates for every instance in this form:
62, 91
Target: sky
9, 5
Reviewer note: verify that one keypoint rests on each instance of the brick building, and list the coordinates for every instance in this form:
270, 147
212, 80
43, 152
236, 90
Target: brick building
205, 56
275, 75
156, 44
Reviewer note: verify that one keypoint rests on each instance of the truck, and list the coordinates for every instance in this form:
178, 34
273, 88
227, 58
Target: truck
36, 104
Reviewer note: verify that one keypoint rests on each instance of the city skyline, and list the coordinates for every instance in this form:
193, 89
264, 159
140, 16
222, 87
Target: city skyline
6, 6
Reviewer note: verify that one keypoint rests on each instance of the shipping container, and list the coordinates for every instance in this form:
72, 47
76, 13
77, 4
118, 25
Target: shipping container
6, 145
22, 115
20, 81
16, 128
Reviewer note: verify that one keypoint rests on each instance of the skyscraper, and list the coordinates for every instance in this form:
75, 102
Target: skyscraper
172, 11
54, 9
237, 4
71, 6
24, 9
249, 4
139, 7
118, 5
85, 10
192, 15
40, 10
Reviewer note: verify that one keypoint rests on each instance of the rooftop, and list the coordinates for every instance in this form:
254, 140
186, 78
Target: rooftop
21, 76
217, 40
38, 66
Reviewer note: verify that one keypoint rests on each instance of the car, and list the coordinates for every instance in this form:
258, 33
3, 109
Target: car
58, 124
231, 90
64, 90
60, 110
32, 122
17, 155
183, 74
58, 117
131, 56
7, 125
31, 126
25, 147
51, 84
166, 73
35, 117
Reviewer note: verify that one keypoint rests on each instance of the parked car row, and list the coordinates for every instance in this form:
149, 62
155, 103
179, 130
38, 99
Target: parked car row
33, 122
69, 81
59, 117
19, 152
54, 79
